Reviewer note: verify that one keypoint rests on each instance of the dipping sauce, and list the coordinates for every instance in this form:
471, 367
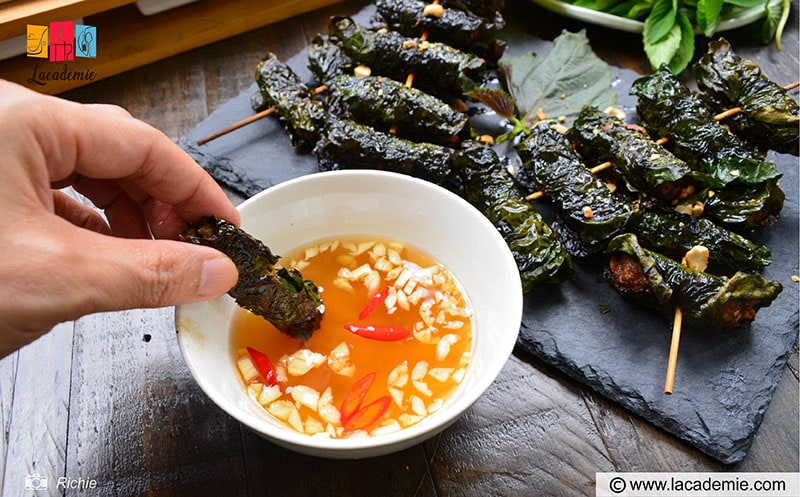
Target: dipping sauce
394, 343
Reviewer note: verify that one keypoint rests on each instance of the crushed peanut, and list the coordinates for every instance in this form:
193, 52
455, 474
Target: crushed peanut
362, 71
433, 10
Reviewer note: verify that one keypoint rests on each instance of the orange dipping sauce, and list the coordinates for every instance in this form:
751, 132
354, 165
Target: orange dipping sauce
388, 284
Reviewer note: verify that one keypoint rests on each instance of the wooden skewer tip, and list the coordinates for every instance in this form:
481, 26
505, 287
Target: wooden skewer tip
673, 351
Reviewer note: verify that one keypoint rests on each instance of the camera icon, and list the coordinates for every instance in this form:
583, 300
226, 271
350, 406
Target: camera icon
35, 482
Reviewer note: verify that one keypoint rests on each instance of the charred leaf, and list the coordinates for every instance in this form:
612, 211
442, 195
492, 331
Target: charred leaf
293, 100
458, 28
385, 104
279, 295
438, 68
769, 117
707, 301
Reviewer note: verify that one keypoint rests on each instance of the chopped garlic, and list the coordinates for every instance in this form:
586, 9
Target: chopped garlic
305, 396
303, 361
246, 368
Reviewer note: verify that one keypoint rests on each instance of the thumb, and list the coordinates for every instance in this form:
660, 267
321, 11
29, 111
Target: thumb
133, 273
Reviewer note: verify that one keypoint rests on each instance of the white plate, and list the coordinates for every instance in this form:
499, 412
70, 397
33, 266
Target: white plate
738, 18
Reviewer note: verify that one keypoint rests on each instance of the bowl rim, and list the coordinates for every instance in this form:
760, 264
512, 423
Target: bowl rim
406, 437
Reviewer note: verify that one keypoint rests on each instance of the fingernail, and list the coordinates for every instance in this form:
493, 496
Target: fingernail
215, 277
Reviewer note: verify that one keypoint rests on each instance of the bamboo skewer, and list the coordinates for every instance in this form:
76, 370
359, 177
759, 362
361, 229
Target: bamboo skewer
409, 82
237, 125
673, 351
696, 259
664, 139
244, 122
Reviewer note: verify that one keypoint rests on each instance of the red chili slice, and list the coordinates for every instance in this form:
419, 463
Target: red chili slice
379, 332
352, 400
367, 415
373, 303
263, 365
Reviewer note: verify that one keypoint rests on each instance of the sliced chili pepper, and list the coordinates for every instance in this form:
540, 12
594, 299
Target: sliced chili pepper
379, 332
374, 302
263, 365
368, 414
352, 400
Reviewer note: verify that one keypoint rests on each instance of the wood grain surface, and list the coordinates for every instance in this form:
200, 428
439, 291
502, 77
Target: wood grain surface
108, 397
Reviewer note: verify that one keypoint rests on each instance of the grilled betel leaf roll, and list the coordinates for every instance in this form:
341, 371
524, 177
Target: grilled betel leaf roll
643, 165
327, 60
279, 295
486, 184
282, 88
346, 144
384, 103
674, 234
670, 109
437, 68
458, 28
746, 207
581, 200
711, 302
483, 8
476, 176
769, 117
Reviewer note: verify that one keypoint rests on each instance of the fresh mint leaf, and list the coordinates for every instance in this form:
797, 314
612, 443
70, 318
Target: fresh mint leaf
683, 57
707, 16
560, 83
674, 50
660, 21
662, 50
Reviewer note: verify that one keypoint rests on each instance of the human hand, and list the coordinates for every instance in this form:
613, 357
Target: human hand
60, 258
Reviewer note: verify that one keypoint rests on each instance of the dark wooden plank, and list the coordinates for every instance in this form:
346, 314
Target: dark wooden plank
168, 94
530, 434
139, 425
278, 472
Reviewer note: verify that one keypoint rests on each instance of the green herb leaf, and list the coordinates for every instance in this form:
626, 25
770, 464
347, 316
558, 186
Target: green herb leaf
707, 16
664, 49
683, 56
562, 82
660, 21
676, 49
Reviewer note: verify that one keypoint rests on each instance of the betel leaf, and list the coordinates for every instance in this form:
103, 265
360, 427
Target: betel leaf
661, 21
560, 83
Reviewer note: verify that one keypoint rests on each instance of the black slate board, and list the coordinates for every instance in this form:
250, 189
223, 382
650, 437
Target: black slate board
724, 381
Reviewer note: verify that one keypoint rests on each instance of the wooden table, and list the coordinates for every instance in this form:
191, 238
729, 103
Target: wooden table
108, 399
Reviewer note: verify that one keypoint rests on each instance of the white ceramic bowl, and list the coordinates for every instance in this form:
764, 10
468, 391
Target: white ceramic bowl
330, 204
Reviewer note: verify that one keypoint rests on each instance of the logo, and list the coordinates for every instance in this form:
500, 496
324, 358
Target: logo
62, 41
35, 482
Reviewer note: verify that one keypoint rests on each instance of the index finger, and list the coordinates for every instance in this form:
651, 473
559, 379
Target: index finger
104, 142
